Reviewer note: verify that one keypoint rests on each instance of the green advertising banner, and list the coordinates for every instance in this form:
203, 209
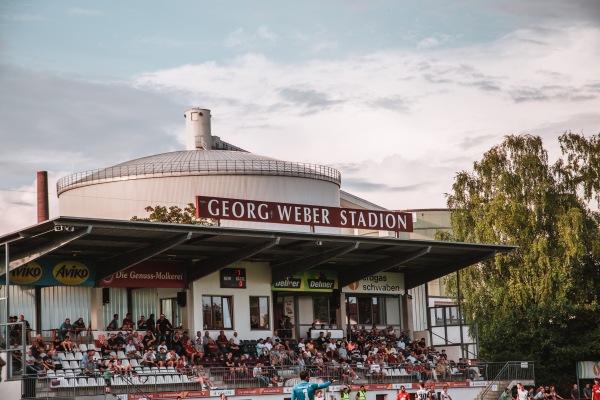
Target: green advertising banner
308, 281
54, 272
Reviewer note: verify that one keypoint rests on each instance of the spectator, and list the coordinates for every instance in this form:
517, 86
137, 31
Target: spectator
587, 391
260, 375
222, 342
161, 357
149, 359
79, 326
575, 392
131, 350
149, 340
114, 324
202, 378
151, 323
142, 324
128, 322
68, 345
163, 328
64, 329
33, 364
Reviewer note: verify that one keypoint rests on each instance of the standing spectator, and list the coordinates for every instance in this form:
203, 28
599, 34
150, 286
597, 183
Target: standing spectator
64, 329
27, 327
596, 390
151, 323
149, 340
587, 391
521, 392
222, 342
507, 395
163, 328
79, 327
575, 392
114, 324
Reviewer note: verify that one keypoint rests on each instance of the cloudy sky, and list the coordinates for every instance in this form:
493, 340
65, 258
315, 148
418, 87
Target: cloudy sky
398, 95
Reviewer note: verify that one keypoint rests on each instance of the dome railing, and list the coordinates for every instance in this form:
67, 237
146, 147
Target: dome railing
206, 167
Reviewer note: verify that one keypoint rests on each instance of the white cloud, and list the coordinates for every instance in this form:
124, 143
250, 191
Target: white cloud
424, 107
433, 41
398, 124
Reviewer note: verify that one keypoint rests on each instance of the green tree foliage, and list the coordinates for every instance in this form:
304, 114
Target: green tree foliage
540, 302
175, 215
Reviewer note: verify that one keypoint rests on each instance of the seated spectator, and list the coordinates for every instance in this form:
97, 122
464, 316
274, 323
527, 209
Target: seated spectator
172, 358
68, 345
240, 366
114, 324
275, 380
260, 346
211, 348
232, 347
33, 364
202, 378
182, 365
48, 363
105, 350
196, 352
161, 357
128, 322
149, 359
142, 324
260, 375
332, 350
131, 350
122, 369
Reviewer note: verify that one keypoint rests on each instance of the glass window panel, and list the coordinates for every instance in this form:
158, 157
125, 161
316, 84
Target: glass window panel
321, 310
259, 313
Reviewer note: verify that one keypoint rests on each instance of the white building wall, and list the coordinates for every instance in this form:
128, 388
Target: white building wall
124, 199
258, 278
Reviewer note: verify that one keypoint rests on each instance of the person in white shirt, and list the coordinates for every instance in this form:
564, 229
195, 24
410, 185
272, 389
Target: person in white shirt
521, 392
235, 338
445, 395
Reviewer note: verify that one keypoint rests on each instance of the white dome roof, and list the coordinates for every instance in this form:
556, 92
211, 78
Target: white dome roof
198, 163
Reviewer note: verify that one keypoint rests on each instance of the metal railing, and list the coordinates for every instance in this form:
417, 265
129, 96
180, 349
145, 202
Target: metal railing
204, 167
197, 379
509, 371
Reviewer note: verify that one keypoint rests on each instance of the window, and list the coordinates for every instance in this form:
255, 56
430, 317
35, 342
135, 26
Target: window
323, 312
217, 312
365, 310
259, 313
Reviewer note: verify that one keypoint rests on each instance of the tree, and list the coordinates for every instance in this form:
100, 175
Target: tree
541, 302
175, 215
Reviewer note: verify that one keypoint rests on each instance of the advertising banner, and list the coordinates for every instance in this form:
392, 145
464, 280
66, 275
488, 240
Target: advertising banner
588, 369
54, 272
302, 214
308, 281
380, 283
148, 275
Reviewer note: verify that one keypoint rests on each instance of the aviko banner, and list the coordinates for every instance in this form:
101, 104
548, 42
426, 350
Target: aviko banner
54, 272
301, 214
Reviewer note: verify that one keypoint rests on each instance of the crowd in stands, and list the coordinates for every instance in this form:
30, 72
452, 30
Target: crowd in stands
363, 353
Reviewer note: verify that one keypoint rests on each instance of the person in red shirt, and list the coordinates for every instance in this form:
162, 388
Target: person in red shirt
403, 394
596, 390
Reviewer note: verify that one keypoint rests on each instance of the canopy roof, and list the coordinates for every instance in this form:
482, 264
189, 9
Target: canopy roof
116, 245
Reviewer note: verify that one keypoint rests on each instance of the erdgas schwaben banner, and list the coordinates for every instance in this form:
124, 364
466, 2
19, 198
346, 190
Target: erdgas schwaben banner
301, 214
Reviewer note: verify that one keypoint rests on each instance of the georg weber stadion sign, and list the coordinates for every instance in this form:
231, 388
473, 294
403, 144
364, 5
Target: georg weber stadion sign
301, 214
